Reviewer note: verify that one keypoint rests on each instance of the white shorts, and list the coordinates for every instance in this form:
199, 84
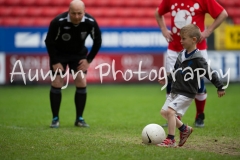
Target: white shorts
171, 57
177, 102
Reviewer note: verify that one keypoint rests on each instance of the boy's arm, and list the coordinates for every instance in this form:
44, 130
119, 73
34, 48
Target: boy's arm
176, 66
212, 76
221, 93
169, 76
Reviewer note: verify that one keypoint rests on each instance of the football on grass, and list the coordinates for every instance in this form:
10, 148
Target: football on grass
153, 134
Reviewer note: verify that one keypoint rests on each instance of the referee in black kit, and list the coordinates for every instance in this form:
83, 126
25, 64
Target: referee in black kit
65, 44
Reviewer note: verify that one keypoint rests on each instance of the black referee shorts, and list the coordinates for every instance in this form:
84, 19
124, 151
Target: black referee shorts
72, 61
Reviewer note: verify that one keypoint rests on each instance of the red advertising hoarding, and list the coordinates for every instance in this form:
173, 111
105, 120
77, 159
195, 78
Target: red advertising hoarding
106, 68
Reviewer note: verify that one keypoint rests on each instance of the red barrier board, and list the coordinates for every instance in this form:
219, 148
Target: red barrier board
106, 68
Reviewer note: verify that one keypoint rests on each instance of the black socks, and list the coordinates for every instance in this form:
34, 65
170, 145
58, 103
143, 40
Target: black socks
182, 128
80, 101
55, 101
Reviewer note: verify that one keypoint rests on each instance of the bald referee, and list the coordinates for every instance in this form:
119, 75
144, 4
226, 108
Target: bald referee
65, 44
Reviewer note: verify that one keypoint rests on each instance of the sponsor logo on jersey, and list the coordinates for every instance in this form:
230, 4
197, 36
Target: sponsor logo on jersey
66, 27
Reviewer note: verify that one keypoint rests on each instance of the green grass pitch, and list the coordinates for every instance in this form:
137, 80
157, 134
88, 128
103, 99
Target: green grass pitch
116, 115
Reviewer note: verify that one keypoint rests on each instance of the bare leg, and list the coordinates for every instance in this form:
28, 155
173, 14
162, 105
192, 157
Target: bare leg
179, 123
164, 114
171, 121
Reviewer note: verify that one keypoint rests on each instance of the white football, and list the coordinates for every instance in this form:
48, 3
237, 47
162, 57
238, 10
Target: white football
153, 134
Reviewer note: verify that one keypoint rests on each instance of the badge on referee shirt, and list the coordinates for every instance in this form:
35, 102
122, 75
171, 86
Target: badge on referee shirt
83, 35
66, 37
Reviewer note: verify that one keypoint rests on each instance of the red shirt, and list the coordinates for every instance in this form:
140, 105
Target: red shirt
184, 12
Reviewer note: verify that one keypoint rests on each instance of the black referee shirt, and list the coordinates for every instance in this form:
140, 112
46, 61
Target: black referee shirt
64, 38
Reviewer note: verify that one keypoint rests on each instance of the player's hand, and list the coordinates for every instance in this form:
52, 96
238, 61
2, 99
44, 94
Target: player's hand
205, 34
221, 93
162, 82
58, 67
83, 65
167, 34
